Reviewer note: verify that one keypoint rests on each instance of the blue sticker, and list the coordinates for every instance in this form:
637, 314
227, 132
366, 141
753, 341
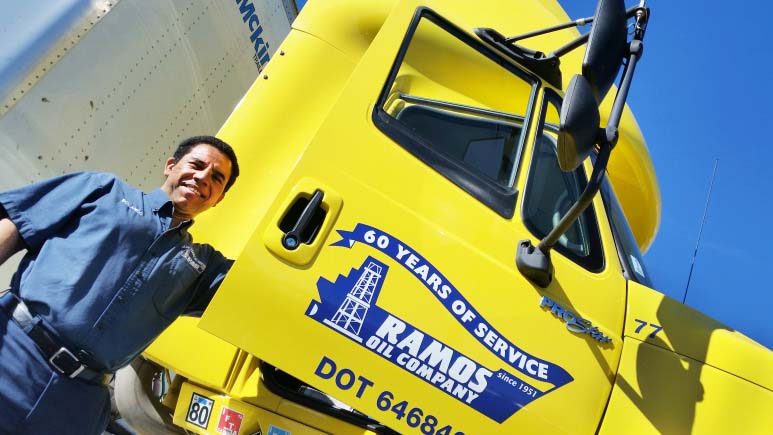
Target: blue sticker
199, 410
273, 430
349, 307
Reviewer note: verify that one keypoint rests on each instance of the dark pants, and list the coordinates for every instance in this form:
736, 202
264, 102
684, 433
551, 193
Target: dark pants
36, 399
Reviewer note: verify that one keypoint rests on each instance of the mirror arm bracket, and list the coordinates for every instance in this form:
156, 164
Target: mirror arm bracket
593, 186
534, 262
630, 12
637, 11
575, 23
566, 48
636, 50
611, 134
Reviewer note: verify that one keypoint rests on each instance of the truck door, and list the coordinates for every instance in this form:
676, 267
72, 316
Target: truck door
384, 274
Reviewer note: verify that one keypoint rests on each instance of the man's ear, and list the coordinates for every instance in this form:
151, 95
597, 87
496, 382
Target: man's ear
170, 162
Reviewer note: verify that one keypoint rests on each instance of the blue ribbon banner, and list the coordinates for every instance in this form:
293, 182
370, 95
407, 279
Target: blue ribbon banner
349, 307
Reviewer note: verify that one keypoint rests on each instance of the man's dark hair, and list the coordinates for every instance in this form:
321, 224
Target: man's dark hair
188, 144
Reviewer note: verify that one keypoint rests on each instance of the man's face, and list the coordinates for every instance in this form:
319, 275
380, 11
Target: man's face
197, 181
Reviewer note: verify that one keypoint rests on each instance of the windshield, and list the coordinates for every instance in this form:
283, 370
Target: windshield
459, 107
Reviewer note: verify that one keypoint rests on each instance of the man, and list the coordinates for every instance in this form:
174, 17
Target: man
107, 269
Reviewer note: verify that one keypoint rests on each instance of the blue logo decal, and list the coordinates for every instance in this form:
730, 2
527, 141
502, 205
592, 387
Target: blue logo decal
250, 17
348, 306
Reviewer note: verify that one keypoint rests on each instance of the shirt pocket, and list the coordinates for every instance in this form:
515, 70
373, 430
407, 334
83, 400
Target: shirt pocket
178, 281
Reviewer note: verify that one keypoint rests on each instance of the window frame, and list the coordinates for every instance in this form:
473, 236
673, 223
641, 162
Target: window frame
596, 260
500, 198
609, 197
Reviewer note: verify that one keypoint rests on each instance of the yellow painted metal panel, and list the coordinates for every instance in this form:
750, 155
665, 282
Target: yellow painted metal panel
270, 130
659, 392
192, 352
695, 335
412, 206
347, 25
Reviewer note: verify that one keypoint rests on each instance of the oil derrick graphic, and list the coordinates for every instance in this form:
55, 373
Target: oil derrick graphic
349, 317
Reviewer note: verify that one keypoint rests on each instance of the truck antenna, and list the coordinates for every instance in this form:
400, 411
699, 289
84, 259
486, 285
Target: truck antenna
700, 231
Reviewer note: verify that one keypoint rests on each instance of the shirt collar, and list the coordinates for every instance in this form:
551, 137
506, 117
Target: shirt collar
158, 201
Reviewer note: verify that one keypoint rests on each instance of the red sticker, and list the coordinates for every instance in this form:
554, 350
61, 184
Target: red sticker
230, 422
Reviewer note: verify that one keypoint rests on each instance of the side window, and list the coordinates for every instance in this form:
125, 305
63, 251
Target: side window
627, 249
487, 146
459, 107
550, 193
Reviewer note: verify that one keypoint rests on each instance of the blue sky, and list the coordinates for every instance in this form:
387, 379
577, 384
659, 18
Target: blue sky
700, 94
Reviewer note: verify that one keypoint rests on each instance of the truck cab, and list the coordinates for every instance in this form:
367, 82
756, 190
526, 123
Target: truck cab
393, 162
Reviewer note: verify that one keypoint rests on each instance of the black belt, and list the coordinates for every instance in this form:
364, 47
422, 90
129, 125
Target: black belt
60, 358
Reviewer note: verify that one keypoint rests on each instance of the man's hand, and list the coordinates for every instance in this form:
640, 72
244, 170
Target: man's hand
10, 241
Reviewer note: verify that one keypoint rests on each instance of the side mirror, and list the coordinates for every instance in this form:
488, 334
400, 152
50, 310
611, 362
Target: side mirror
579, 124
606, 46
579, 128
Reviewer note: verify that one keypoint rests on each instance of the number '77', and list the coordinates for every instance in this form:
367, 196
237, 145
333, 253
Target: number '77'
642, 324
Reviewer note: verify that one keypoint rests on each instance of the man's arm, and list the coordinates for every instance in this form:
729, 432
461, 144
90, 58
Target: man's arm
10, 241
217, 267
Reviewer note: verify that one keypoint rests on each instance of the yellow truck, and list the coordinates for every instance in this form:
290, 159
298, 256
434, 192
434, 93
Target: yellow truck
438, 231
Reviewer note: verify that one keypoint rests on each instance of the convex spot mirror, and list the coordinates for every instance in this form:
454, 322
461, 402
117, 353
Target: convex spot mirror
606, 47
579, 124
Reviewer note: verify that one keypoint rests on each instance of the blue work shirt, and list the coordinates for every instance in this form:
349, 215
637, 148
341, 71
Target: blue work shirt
103, 267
